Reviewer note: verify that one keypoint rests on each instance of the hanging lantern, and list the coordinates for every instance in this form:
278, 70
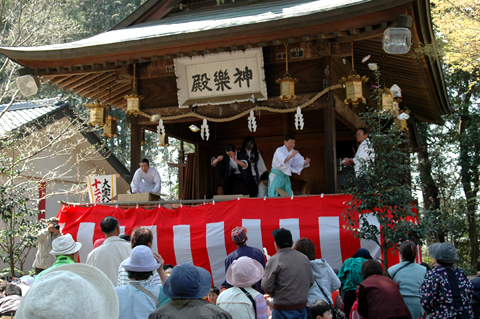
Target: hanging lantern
133, 100
97, 113
133, 104
401, 120
287, 83
387, 101
110, 128
354, 86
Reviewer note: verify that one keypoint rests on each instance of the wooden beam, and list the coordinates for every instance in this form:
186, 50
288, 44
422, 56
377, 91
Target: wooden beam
94, 81
81, 82
330, 146
72, 80
341, 50
58, 80
347, 116
136, 145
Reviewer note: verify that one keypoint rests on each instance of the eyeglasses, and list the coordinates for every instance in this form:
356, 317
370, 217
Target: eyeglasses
359, 134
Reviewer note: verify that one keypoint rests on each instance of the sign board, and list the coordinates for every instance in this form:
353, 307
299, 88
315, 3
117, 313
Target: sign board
101, 189
220, 78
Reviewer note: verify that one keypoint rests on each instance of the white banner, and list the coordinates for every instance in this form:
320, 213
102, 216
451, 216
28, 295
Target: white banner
101, 189
221, 78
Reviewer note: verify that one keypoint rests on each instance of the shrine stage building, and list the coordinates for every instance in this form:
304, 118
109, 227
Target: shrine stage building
181, 56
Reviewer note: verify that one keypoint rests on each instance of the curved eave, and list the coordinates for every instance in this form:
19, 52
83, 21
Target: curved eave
80, 51
434, 64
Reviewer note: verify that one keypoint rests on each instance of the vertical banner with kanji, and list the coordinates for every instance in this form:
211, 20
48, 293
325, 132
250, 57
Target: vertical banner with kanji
102, 189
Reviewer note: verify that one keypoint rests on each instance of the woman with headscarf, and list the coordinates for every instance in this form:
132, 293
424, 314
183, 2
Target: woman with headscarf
409, 275
249, 148
446, 292
350, 276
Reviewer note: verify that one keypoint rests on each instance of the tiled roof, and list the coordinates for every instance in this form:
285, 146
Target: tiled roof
208, 19
26, 112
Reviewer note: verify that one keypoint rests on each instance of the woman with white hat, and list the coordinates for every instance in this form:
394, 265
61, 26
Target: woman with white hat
446, 292
242, 301
139, 299
65, 249
71, 291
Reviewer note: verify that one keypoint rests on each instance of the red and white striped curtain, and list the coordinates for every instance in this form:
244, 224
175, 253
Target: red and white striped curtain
201, 234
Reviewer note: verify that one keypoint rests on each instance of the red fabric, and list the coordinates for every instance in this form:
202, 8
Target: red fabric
269, 212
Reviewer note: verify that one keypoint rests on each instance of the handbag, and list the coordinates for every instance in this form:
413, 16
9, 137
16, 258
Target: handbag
337, 314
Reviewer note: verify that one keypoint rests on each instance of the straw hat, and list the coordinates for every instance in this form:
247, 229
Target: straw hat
244, 272
72, 291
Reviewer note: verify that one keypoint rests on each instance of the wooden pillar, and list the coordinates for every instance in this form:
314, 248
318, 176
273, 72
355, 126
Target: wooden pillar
285, 125
181, 169
135, 145
330, 146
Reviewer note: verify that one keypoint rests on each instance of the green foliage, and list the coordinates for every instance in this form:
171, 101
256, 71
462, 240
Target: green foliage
18, 234
383, 188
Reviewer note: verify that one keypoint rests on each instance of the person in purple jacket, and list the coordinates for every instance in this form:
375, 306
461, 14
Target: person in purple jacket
239, 237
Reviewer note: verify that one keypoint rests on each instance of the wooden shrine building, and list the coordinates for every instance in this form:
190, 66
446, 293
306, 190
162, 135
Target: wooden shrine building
172, 47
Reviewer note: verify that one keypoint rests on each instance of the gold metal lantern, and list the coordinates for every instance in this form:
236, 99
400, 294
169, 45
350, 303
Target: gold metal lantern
110, 128
354, 88
133, 100
133, 104
287, 83
97, 113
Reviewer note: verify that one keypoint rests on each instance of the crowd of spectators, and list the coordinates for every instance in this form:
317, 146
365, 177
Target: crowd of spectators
127, 280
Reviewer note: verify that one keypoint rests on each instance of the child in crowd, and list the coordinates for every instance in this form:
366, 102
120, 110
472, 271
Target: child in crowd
321, 310
213, 295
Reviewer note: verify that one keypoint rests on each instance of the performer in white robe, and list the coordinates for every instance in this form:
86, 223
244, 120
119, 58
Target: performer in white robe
146, 179
286, 161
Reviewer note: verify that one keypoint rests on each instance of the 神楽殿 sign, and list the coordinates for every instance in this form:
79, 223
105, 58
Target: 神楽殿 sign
221, 78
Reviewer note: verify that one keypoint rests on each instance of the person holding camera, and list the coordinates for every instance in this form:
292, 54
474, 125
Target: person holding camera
45, 237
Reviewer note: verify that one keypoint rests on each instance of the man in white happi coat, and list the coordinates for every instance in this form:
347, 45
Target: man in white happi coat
286, 161
146, 179
364, 153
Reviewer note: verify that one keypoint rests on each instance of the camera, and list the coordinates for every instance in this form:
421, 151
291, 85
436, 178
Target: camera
56, 226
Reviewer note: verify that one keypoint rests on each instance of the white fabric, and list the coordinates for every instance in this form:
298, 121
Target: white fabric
109, 256
260, 164
146, 183
234, 166
294, 165
326, 278
134, 303
44, 259
262, 190
364, 153
237, 303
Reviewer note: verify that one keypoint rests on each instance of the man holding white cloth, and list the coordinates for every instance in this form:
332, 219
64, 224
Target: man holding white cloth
286, 161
